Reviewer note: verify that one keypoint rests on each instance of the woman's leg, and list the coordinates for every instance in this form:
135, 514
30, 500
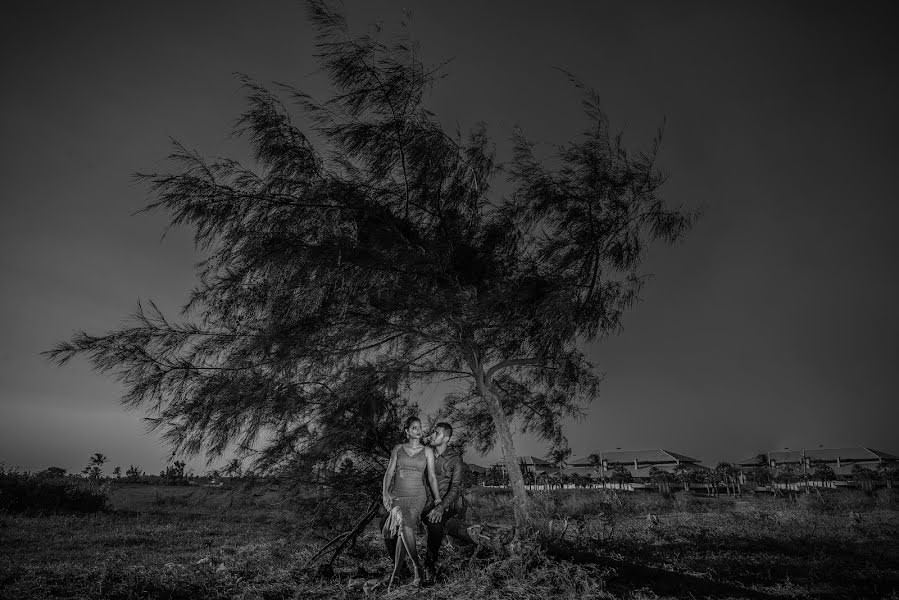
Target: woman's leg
409, 542
397, 560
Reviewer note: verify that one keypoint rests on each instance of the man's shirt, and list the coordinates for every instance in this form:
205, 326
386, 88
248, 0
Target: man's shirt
450, 470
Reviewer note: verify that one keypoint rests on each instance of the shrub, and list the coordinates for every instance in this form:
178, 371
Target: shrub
887, 498
814, 501
488, 504
20, 492
848, 499
845, 499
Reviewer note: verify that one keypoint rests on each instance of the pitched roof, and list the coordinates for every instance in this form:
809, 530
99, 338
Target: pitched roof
657, 455
681, 457
475, 468
642, 472
786, 456
753, 461
883, 455
857, 453
832, 454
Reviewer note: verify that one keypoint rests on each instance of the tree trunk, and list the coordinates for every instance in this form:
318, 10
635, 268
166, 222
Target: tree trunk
510, 457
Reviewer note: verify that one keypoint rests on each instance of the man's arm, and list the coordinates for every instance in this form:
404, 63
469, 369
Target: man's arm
455, 486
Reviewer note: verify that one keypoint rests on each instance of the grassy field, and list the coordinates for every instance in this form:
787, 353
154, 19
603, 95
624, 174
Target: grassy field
194, 542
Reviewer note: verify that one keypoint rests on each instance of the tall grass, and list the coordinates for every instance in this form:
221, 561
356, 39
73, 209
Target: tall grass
583, 544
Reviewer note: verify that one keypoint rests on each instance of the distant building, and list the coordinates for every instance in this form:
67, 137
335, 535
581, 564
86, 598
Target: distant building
530, 464
637, 462
841, 460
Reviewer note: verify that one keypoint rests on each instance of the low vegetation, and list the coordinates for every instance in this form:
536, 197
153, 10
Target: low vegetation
238, 542
50, 491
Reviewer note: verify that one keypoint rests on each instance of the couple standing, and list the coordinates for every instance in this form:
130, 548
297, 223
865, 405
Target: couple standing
408, 501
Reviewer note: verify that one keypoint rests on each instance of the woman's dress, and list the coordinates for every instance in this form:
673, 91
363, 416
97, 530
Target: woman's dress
409, 492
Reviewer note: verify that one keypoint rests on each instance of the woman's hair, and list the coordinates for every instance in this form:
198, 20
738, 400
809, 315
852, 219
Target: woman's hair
409, 422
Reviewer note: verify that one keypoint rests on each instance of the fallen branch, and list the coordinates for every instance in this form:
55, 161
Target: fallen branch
346, 537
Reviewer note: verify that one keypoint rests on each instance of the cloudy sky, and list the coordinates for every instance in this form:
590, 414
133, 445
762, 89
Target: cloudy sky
773, 325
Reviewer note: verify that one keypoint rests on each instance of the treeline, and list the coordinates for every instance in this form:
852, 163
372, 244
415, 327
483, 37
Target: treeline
55, 489
173, 474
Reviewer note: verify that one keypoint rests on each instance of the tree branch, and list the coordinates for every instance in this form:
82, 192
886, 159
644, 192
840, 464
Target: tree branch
511, 362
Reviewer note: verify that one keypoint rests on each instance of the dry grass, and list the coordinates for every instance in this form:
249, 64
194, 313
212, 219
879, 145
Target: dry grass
209, 543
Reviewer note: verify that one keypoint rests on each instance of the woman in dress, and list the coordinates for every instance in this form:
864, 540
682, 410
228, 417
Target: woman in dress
406, 491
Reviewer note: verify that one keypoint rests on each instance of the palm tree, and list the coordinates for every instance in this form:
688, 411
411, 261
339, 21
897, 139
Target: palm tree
621, 475
787, 476
730, 475
823, 472
660, 478
887, 472
683, 474
864, 476
760, 473
596, 463
707, 478
738, 479
558, 457
94, 468
721, 476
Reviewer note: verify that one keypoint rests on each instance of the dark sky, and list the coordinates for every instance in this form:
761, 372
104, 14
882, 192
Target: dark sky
773, 325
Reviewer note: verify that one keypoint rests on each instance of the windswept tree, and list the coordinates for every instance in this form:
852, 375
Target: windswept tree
365, 252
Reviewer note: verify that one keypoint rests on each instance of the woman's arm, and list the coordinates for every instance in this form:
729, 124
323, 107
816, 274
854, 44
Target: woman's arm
386, 498
432, 474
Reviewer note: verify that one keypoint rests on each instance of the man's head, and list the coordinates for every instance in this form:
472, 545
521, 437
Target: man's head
442, 434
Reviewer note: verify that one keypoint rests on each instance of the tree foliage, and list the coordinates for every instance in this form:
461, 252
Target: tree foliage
365, 253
